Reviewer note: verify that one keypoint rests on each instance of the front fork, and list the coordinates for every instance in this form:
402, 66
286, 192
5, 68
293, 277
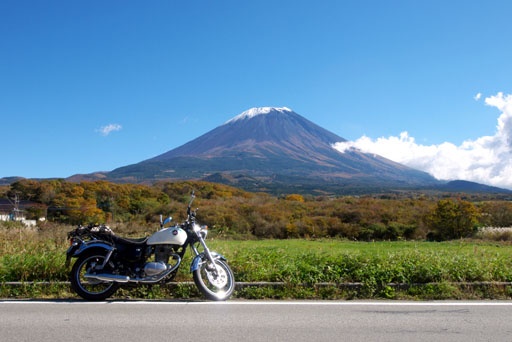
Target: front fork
211, 256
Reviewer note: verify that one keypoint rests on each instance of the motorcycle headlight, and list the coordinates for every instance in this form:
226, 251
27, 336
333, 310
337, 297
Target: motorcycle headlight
204, 231
196, 228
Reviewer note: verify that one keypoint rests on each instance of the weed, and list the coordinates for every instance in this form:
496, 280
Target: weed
300, 264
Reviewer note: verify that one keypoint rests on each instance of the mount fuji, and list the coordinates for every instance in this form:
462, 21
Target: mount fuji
269, 145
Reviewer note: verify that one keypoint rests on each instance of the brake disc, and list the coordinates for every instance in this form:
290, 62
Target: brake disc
218, 280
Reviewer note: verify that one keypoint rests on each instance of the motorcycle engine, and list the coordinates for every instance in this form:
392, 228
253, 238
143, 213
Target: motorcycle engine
163, 252
154, 268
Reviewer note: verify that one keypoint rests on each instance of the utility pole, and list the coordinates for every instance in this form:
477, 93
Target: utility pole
16, 206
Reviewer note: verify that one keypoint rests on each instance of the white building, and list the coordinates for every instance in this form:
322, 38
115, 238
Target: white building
9, 213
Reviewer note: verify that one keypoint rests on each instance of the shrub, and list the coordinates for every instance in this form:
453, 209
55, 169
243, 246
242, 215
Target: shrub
295, 197
451, 220
496, 214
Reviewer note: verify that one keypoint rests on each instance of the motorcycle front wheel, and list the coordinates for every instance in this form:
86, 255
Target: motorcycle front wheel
90, 289
213, 284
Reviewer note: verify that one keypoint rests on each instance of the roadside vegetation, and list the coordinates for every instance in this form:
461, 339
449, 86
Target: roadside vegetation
302, 242
302, 266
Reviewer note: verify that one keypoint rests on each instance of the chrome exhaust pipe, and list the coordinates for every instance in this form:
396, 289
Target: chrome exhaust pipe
108, 277
125, 279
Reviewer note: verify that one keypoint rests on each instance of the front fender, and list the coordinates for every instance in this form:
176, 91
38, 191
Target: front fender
75, 251
197, 260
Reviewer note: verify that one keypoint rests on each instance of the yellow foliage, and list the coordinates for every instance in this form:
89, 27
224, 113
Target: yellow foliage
295, 197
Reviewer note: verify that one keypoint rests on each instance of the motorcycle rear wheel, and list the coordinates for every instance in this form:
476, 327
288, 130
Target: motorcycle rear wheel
90, 289
215, 286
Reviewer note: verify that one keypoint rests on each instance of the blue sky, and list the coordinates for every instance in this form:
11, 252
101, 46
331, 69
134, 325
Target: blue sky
166, 72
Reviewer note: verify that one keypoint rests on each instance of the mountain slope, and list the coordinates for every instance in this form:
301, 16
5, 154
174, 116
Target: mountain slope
273, 130
466, 186
267, 142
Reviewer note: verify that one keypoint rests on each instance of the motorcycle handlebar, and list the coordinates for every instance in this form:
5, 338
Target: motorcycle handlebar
191, 200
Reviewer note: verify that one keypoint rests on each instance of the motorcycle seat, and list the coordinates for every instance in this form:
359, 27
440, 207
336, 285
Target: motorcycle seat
132, 242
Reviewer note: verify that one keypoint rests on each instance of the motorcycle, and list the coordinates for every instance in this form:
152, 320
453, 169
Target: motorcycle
105, 261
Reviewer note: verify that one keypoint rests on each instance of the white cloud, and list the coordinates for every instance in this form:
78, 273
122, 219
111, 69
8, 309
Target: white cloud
478, 96
105, 130
487, 159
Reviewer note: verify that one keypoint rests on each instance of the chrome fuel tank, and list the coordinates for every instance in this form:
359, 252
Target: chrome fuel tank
168, 236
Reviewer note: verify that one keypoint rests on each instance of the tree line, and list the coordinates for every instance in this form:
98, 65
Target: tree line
232, 212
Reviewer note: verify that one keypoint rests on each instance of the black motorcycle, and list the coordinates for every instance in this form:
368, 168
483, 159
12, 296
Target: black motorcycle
105, 261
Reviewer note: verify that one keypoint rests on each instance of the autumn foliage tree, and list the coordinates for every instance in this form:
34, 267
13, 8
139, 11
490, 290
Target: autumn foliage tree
90, 202
295, 197
496, 213
452, 219
235, 213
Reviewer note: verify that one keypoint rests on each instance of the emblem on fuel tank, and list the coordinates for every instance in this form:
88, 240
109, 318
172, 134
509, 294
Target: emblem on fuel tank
175, 232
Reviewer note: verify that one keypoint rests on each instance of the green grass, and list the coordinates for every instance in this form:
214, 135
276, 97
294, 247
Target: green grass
338, 247
40, 256
298, 261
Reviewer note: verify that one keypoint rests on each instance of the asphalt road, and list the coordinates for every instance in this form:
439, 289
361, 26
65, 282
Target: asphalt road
255, 321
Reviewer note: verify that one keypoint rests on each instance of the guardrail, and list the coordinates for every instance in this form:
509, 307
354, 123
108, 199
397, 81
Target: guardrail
240, 285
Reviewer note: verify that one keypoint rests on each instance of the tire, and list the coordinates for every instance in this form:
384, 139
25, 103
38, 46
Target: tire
90, 289
212, 287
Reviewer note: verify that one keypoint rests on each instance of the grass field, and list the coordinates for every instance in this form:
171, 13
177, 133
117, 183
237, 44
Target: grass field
40, 256
297, 261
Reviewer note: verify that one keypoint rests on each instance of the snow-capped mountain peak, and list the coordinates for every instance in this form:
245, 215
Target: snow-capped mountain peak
250, 113
269, 144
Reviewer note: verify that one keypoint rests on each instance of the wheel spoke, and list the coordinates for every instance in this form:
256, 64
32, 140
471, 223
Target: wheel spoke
91, 286
215, 283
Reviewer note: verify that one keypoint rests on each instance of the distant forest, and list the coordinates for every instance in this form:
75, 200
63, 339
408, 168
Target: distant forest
234, 213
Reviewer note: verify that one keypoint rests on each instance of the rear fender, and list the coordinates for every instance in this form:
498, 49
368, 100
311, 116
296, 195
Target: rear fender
75, 251
196, 263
